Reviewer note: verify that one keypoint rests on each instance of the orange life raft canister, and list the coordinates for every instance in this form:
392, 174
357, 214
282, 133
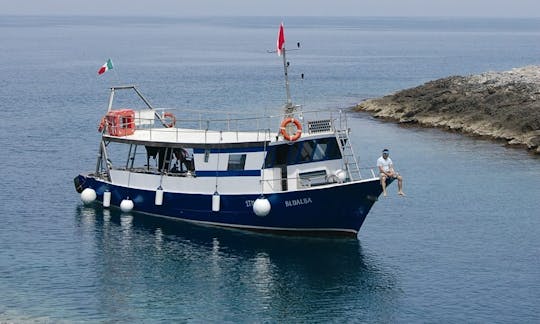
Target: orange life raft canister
119, 122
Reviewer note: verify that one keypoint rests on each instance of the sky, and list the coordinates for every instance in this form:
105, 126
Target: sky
439, 8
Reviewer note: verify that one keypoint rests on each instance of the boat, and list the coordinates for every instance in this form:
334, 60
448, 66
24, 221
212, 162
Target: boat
294, 172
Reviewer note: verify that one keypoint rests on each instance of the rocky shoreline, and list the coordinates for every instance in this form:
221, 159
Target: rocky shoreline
498, 105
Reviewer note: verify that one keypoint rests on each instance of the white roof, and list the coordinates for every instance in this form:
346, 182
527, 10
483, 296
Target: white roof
185, 136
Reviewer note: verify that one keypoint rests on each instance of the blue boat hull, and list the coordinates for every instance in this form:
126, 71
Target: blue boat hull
332, 210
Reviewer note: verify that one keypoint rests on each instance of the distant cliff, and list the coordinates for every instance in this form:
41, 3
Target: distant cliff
500, 105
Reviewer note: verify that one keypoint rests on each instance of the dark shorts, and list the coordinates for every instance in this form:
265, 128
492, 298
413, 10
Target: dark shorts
385, 176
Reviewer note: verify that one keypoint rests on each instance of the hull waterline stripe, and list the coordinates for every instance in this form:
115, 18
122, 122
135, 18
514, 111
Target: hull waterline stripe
249, 227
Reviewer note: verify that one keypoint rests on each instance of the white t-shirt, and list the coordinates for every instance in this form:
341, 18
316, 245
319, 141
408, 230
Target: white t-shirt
385, 164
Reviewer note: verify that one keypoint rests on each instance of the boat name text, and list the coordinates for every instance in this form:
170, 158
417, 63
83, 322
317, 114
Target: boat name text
298, 202
288, 203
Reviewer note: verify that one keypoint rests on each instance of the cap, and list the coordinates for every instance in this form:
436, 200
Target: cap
385, 151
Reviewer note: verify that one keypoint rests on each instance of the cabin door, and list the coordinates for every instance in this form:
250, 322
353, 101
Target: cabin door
284, 186
282, 152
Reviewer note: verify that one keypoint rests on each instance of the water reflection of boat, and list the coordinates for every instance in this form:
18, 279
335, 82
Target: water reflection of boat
172, 259
236, 241
295, 172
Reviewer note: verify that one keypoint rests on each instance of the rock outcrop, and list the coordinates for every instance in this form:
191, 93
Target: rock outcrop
499, 105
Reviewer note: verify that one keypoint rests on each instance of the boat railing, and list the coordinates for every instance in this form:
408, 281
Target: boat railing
315, 121
152, 118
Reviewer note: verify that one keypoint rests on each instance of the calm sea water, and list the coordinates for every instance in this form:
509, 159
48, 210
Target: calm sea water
461, 247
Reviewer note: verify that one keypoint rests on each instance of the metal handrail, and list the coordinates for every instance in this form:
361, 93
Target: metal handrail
234, 124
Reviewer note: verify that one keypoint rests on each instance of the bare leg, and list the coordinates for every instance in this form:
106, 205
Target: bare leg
383, 184
400, 185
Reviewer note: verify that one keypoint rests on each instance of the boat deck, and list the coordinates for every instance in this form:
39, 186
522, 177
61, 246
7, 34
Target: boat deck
192, 137
229, 132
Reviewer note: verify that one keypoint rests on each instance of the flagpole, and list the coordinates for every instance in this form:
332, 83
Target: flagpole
116, 75
289, 107
285, 70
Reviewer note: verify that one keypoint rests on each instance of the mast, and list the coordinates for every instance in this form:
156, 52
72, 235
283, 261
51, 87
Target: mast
289, 107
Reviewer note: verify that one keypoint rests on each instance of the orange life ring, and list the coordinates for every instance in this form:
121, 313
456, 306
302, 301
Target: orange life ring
102, 124
286, 135
172, 117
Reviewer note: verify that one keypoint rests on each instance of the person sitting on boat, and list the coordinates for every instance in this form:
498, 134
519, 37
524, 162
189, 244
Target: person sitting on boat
386, 169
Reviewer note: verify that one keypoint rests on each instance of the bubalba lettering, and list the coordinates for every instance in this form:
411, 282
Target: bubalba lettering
298, 202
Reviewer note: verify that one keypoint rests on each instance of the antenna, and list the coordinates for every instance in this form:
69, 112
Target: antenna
303, 90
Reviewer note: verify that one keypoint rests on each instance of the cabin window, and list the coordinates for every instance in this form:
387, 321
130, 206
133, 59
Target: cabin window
293, 153
320, 151
281, 154
326, 149
270, 157
303, 152
307, 151
236, 162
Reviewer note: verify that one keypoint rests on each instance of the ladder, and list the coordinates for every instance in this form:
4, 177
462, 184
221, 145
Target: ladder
347, 152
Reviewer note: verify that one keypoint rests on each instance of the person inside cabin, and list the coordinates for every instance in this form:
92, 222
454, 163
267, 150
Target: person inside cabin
188, 161
177, 165
182, 161
386, 170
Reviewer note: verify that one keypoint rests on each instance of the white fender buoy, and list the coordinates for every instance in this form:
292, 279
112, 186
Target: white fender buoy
107, 199
341, 175
261, 206
88, 196
215, 202
158, 201
126, 205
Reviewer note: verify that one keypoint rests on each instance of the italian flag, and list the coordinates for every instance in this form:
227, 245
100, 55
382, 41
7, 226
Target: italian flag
280, 40
105, 67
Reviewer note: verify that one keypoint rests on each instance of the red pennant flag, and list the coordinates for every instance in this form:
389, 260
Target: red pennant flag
280, 40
